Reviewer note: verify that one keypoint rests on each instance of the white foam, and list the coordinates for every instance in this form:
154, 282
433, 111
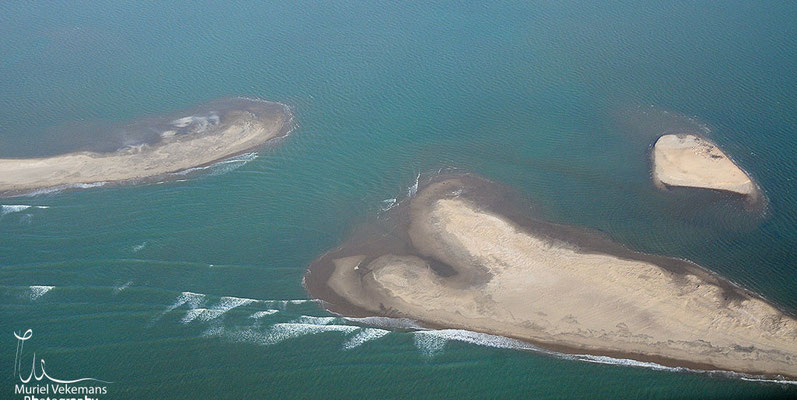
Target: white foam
39, 291
223, 166
650, 365
231, 164
12, 208
192, 314
387, 204
617, 361
225, 304
277, 333
309, 319
139, 247
387, 322
248, 335
284, 331
282, 304
431, 342
261, 314
414, 188
55, 189
122, 287
8, 209
228, 303
366, 335
194, 300
202, 314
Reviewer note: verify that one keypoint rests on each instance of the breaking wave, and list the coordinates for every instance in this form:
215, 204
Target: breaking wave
261, 314
276, 333
139, 247
56, 189
309, 319
13, 208
284, 331
388, 204
431, 342
225, 304
39, 291
223, 166
8, 209
387, 322
283, 304
366, 335
194, 300
414, 188
122, 287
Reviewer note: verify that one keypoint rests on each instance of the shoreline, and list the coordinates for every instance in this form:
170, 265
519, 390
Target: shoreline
667, 174
210, 133
585, 241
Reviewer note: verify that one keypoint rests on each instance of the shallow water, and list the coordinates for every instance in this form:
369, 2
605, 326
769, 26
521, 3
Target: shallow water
556, 99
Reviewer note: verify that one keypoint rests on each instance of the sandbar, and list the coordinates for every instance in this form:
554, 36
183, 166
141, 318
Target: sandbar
175, 143
692, 161
460, 255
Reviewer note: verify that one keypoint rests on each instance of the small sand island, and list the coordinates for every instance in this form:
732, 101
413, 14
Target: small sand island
466, 254
156, 146
692, 161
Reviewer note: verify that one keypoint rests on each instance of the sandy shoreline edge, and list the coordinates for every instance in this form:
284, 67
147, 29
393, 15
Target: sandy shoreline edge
692, 161
190, 139
436, 277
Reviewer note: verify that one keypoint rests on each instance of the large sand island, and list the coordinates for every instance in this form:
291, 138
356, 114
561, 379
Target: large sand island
156, 146
692, 161
461, 255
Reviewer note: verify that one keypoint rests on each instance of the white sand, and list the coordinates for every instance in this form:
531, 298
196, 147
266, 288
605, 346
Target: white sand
238, 132
689, 160
510, 282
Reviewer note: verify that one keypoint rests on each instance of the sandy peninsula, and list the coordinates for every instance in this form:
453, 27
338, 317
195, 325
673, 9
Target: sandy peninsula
692, 161
451, 259
181, 141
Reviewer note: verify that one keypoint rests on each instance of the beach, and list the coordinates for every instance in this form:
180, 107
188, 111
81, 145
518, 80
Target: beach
464, 265
693, 161
184, 140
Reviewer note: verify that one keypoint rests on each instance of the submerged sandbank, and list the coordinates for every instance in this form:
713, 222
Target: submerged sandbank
464, 254
156, 146
692, 161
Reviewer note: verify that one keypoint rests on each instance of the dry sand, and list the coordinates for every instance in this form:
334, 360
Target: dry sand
466, 266
692, 161
185, 142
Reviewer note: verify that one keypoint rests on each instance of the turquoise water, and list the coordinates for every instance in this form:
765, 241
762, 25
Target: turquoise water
558, 99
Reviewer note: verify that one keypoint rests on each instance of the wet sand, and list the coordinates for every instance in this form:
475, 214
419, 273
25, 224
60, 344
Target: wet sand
465, 253
162, 145
692, 161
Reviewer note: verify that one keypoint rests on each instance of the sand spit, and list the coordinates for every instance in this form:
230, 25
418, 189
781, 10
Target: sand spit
460, 256
692, 161
212, 132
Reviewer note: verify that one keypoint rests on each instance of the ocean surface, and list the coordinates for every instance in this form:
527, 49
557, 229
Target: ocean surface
192, 287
